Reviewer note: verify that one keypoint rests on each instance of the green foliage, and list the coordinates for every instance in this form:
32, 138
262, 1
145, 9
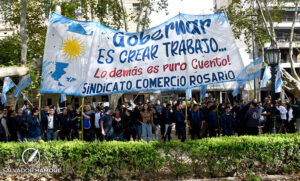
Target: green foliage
10, 50
215, 157
240, 14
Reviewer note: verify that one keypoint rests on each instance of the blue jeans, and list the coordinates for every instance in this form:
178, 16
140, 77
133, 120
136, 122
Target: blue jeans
36, 139
20, 136
120, 135
147, 132
139, 131
51, 135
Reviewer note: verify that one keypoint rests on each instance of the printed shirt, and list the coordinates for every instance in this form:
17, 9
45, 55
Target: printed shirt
50, 122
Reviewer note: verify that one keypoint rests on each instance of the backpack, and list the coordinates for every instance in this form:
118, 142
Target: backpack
2, 131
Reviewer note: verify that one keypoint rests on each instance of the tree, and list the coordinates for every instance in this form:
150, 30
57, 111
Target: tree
240, 11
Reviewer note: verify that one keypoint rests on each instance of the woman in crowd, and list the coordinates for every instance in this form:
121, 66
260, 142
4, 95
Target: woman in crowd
147, 118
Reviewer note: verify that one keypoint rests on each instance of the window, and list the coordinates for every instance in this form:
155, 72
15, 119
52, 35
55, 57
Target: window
104, 98
49, 102
76, 103
138, 98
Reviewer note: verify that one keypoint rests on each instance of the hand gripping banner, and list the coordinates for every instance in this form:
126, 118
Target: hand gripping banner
88, 58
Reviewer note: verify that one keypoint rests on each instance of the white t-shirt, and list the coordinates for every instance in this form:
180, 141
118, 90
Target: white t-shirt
50, 122
97, 120
283, 112
290, 114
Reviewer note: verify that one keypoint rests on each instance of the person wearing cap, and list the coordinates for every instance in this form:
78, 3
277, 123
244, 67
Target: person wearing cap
196, 122
252, 119
227, 121
106, 125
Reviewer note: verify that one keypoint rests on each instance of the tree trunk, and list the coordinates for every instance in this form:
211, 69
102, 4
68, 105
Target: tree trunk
293, 71
291, 84
124, 16
292, 81
139, 16
23, 32
271, 23
146, 16
13, 71
266, 24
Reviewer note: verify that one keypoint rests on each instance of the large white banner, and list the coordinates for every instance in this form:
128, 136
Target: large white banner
88, 58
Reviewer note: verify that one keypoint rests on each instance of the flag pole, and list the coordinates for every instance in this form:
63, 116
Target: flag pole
27, 100
82, 103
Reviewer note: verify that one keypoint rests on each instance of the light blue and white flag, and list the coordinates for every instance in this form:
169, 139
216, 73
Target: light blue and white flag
7, 85
278, 81
63, 98
266, 77
237, 89
189, 93
24, 82
251, 71
203, 90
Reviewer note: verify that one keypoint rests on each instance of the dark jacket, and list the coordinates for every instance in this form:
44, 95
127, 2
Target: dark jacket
296, 110
107, 124
129, 121
179, 119
227, 122
66, 122
252, 118
21, 124
56, 123
196, 118
212, 120
118, 125
35, 128
167, 116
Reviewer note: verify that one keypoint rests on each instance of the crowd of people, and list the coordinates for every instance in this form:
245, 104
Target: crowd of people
148, 121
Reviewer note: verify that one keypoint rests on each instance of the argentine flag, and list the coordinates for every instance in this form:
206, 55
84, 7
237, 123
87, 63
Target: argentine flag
266, 77
203, 89
7, 85
251, 71
237, 89
189, 93
63, 98
278, 81
24, 82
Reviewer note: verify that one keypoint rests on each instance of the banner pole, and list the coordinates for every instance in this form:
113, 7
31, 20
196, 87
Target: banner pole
186, 108
251, 89
82, 103
40, 108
